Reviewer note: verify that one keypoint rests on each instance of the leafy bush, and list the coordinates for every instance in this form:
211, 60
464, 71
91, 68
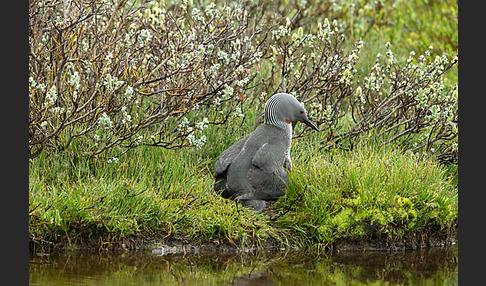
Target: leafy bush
102, 72
124, 73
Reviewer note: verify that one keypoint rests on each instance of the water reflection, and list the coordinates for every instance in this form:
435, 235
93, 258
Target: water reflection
434, 266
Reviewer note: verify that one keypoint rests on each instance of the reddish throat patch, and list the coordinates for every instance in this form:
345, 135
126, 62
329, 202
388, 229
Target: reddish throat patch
287, 121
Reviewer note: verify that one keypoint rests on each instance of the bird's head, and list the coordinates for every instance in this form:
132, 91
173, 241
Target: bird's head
285, 108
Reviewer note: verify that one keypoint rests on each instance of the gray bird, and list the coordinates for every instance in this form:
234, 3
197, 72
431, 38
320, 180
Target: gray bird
253, 170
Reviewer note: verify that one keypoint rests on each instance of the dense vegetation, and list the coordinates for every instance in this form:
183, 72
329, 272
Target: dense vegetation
130, 102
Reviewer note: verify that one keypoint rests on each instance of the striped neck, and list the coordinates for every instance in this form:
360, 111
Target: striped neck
274, 117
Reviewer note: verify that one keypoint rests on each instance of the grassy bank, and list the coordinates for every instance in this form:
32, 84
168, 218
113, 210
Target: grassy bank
372, 192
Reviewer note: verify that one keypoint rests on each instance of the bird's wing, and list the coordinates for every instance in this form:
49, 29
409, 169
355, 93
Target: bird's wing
267, 159
225, 158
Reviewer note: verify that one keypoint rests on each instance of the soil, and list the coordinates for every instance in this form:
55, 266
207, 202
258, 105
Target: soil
161, 246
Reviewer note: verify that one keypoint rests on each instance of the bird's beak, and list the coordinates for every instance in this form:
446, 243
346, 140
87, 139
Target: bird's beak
310, 124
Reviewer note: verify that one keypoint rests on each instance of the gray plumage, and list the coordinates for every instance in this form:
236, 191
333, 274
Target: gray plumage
254, 169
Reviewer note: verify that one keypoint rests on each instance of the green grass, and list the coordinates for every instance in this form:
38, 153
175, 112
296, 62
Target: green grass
371, 192
149, 192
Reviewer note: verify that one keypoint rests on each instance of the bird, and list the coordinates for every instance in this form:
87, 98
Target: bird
254, 169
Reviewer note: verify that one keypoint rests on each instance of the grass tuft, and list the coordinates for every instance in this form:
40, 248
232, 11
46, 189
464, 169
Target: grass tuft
371, 192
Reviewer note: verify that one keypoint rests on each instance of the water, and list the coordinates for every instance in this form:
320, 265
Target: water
433, 266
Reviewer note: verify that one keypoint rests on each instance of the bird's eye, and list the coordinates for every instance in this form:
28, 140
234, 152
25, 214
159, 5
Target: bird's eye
301, 112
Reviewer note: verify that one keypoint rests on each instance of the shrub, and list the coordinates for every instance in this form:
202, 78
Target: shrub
123, 73
407, 101
102, 72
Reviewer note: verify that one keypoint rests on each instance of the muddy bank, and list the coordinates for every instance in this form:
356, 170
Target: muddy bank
171, 246
413, 242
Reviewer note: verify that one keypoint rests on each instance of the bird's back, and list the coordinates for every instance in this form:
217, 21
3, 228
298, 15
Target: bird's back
254, 164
